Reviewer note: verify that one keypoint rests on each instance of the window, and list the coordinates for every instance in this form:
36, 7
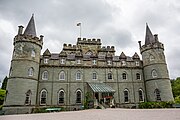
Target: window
138, 76
137, 63
109, 76
154, 73
94, 62
151, 58
43, 97
78, 96
28, 97
124, 76
46, 60
109, 62
62, 61
78, 76
61, 97
78, 61
126, 96
89, 53
45, 75
62, 75
141, 96
157, 95
10, 72
33, 54
30, 71
123, 63
94, 76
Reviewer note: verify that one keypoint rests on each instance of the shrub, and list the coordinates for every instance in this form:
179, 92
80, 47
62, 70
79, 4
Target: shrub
150, 105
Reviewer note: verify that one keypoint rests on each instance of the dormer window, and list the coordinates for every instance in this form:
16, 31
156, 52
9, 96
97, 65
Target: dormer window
123, 63
78, 61
137, 63
62, 61
94, 62
46, 60
109, 62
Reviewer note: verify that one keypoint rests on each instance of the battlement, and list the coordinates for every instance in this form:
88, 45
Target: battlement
155, 45
69, 47
29, 38
107, 48
85, 41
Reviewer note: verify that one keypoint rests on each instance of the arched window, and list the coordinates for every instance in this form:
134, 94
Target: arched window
126, 95
157, 95
138, 76
33, 54
154, 74
61, 97
30, 71
45, 75
151, 57
62, 75
141, 95
78, 96
78, 75
43, 97
28, 97
94, 76
124, 76
109, 76
10, 72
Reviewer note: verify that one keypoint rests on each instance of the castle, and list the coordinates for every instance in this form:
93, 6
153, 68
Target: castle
65, 78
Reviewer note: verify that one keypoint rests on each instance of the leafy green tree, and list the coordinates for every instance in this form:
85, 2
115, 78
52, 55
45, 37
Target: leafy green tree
176, 87
2, 96
4, 84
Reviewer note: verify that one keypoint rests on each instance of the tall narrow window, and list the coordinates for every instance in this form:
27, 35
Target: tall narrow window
124, 76
154, 74
126, 96
94, 76
123, 63
137, 63
78, 96
28, 97
30, 71
109, 76
33, 54
78, 75
45, 75
138, 76
157, 95
62, 75
141, 96
43, 97
61, 97
151, 57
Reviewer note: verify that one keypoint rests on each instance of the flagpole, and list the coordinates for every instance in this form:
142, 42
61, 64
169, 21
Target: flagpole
80, 30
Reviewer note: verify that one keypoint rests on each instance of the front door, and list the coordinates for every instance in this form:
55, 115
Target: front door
97, 96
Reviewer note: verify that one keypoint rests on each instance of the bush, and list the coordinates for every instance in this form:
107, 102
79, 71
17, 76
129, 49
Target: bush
177, 100
150, 105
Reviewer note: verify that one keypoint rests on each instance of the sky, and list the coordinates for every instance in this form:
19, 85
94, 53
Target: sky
119, 23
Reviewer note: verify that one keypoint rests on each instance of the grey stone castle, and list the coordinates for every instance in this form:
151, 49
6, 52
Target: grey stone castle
65, 78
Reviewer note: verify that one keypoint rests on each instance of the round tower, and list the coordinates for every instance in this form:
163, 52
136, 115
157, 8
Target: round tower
24, 71
157, 82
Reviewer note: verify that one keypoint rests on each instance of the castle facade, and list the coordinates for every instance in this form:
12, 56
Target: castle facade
86, 69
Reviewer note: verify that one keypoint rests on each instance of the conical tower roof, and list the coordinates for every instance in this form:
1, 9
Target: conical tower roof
135, 56
149, 38
30, 29
47, 53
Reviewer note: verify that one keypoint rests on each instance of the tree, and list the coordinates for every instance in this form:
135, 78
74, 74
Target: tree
4, 84
2, 96
176, 87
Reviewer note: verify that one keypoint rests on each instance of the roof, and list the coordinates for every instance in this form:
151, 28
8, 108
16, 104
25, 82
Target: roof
149, 38
101, 87
30, 29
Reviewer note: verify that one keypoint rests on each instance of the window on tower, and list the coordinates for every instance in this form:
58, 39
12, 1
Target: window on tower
78, 75
126, 96
138, 76
124, 76
109, 76
30, 71
45, 75
28, 97
141, 96
33, 54
157, 95
94, 76
43, 97
61, 97
62, 75
154, 74
78, 96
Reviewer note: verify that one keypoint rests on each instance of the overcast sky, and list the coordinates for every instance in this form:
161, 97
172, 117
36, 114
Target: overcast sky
119, 23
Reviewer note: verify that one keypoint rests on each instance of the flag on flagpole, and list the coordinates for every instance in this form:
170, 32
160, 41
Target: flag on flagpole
79, 24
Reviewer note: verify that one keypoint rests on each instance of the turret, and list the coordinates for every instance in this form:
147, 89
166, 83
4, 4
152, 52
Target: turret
156, 74
23, 80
